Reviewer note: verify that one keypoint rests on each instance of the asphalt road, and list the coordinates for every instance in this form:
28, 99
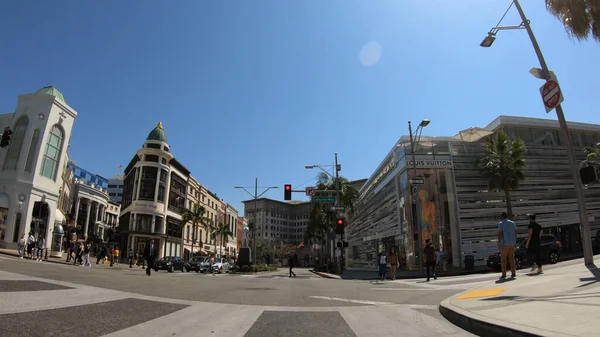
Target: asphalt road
179, 303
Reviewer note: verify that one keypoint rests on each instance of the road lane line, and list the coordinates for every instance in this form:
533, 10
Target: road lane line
347, 300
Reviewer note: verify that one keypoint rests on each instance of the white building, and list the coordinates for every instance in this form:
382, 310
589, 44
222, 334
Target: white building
31, 166
115, 188
154, 197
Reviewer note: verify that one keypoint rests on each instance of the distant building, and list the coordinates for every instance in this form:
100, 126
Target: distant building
278, 221
115, 188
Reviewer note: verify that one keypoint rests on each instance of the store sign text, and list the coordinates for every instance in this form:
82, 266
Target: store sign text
431, 163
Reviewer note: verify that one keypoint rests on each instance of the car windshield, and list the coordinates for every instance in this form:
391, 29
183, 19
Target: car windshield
197, 259
218, 260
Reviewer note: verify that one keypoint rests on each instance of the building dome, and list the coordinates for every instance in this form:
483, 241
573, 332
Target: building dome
158, 134
52, 91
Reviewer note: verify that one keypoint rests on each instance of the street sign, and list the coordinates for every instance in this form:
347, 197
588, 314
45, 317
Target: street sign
538, 73
339, 208
310, 191
417, 181
324, 199
551, 95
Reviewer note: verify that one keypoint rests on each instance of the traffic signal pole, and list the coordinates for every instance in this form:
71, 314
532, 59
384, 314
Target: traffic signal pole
337, 201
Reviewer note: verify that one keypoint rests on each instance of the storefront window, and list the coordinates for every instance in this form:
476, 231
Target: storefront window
3, 217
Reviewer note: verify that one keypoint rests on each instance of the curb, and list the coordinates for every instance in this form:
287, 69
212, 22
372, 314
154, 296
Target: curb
325, 275
479, 327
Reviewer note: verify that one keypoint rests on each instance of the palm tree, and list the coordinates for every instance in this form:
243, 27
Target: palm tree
195, 215
322, 216
503, 164
221, 232
581, 18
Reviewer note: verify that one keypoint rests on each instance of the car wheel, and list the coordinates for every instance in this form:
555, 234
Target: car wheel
553, 257
518, 262
156, 270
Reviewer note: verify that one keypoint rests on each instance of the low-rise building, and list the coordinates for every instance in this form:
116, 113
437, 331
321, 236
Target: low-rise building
31, 167
278, 221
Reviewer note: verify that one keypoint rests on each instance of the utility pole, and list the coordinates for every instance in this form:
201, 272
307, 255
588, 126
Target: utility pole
586, 239
416, 200
337, 203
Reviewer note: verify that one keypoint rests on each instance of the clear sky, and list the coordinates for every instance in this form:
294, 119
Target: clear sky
256, 88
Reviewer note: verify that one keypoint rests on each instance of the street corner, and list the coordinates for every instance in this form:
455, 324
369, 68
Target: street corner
326, 275
480, 293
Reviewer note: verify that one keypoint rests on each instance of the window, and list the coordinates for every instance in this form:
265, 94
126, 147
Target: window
148, 183
162, 186
129, 188
32, 150
152, 158
16, 143
153, 146
177, 194
143, 223
52, 153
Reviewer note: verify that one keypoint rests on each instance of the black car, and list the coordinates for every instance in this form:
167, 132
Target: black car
170, 263
550, 246
195, 264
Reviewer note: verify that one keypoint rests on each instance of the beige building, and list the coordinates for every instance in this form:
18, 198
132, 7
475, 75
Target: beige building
211, 203
192, 242
278, 221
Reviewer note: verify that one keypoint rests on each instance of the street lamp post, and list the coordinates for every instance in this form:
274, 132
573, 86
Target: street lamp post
417, 217
586, 239
336, 181
255, 196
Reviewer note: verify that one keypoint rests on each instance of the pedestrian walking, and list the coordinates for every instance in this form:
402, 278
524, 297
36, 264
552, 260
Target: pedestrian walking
41, 245
534, 239
291, 263
507, 239
30, 246
117, 254
150, 253
211, 262
21, 246
394, 262
86, 255
382, 260
430, 259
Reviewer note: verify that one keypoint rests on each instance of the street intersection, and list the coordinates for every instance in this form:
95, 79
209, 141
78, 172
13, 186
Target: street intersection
43, 299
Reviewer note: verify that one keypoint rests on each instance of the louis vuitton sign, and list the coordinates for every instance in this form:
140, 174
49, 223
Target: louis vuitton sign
430, 162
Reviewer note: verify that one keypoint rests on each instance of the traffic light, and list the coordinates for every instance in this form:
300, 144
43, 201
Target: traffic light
5, 137
287, 192
340, 223
588, 175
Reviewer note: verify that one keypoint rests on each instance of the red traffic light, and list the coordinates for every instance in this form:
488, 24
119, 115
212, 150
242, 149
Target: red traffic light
340, 222
288, 187
8, 132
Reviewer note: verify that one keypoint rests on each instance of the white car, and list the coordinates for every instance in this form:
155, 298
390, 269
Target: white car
219, 266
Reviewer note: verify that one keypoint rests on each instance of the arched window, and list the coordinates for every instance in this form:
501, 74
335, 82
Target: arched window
32, 150
52, 152
16, 143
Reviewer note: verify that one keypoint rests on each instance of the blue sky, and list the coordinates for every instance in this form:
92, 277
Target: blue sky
251, 89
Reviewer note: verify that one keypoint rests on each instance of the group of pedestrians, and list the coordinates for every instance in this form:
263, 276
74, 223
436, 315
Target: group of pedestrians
507, 241
31, 247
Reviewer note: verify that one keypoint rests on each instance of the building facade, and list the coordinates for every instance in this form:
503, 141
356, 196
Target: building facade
212, 204
457, 209
231, 220
32, 166
278, 221
154, 197
115, 188
192, 237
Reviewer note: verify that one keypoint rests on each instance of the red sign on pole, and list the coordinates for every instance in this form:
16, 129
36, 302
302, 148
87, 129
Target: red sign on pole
551, 95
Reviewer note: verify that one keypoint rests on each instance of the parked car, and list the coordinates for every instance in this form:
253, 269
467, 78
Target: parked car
550, 246
170, 263
220, 265
195, 264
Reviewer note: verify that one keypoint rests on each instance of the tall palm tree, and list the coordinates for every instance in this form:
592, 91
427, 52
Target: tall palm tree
503, 164
221, 232
195, 215
581, 18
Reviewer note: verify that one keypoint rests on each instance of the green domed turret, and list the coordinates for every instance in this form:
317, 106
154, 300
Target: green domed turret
158, 134
52, 91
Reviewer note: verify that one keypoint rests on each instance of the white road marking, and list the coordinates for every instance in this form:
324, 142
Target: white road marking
413, 306
411, 289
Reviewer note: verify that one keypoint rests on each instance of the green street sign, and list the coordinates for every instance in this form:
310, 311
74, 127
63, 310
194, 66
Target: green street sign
324, 199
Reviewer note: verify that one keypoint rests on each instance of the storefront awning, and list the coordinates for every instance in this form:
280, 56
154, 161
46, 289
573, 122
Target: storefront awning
59, 216
3, 200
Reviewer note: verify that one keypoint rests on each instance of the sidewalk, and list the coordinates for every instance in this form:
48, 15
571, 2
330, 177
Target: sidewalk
63, 260
564, 301
369, 275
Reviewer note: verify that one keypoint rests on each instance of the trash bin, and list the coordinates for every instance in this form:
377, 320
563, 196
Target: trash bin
469, 262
